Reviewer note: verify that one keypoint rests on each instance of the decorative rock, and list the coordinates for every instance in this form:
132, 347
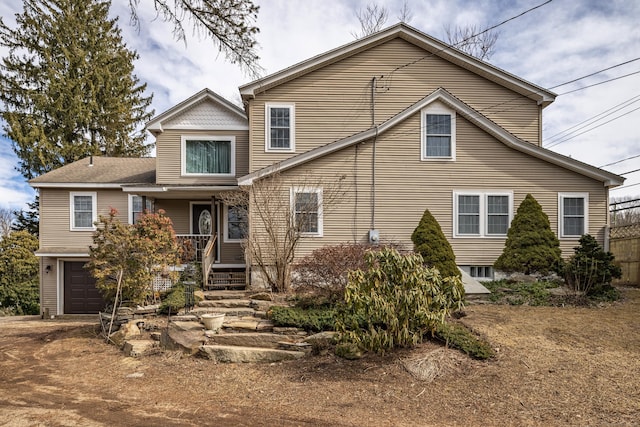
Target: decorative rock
155, 336
187, 326
187, 341
262, 296
147, 309
295, 346
126, 332
327, 337
137, 348
286, 330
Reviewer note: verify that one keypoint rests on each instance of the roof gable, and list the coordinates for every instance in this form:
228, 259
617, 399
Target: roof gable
204, 110
431, 46
441, 95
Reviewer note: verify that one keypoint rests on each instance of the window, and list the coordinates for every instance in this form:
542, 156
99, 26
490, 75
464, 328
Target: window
307, 210
438, 133
280, 127
82, 211
481, 271
573, 214
135, 207
214, 155
236, 223
482, 214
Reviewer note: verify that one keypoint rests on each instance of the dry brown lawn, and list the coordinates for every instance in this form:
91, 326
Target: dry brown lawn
555, 366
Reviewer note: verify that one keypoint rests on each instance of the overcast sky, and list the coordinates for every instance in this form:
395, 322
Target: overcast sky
554, 44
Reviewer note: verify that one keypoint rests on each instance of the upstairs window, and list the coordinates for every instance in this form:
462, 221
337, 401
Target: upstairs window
136, 209
208, 156
280, 127
307, 210
438, 133
236, 223
482, 214
83, 211
573, 210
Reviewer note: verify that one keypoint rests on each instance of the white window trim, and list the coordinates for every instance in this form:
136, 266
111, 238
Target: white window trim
130, 207
267, 128
436, 108
183, 154
292, 199
561, 197
484, 215
225, 221
94, 210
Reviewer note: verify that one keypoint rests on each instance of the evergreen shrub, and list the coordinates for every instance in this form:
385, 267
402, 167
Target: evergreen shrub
531, 246
590, 269
429, 241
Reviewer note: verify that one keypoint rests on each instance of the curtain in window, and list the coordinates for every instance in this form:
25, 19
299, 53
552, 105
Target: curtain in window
208, 156
438, 135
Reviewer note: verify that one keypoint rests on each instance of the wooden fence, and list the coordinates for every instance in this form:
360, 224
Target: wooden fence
625, 245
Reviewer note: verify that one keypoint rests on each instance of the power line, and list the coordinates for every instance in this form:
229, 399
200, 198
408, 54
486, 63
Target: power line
597, 72
593, 128
620, 161
630, 172
624, 186
604, 114
602, 82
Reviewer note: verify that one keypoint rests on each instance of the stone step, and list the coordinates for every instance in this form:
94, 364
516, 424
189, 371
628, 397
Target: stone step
229, 311
136, 348
249, 323
226, 303
233, 354
219, 295
254, 339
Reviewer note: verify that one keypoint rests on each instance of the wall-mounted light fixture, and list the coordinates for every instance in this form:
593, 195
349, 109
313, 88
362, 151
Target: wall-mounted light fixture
47, 269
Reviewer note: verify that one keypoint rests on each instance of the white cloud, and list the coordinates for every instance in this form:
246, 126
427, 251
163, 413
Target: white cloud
552, 44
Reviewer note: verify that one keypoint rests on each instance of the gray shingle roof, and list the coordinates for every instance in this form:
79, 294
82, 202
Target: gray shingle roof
105, 170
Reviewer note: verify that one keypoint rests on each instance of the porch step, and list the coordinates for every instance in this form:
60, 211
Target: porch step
235, 354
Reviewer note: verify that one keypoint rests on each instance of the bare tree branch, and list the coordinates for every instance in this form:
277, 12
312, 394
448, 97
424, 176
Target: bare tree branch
282, 213
406, 14
228, 23
6, 221
472, 40
371, 18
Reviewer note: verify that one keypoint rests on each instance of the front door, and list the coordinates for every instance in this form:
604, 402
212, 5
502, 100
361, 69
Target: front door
203, 222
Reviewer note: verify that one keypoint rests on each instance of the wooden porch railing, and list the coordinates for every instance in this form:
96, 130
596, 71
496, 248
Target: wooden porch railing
194, 246
208, 257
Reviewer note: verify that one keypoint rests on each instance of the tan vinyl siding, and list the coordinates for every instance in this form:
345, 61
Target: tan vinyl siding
168, 152
48, 283
335, 101
406, 186
55, 216
231, 253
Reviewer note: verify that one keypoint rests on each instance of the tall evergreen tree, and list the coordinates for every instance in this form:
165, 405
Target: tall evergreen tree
430, 242
67, 86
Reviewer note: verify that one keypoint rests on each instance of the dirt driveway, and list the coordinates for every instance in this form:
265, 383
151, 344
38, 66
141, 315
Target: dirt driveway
555, 366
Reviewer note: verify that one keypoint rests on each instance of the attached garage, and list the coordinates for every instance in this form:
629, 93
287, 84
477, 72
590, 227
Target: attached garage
80, 293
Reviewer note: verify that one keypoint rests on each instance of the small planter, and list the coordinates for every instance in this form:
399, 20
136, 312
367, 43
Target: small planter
213, 321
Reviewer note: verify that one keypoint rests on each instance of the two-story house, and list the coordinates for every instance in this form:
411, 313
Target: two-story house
407, 123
